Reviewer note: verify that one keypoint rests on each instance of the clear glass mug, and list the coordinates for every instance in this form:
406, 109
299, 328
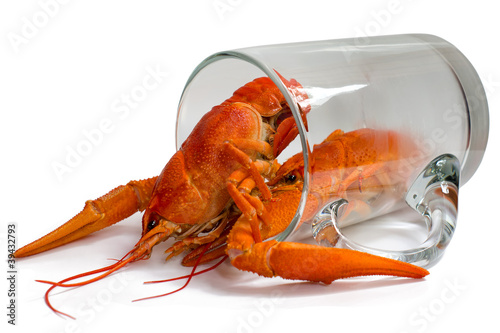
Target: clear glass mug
415, 97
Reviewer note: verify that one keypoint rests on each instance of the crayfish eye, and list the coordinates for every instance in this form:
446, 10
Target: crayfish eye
291, 178
152, 224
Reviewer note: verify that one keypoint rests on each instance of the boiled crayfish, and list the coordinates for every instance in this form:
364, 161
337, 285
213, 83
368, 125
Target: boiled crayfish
218, 176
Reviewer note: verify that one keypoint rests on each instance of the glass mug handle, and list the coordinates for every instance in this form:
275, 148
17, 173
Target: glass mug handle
433, 194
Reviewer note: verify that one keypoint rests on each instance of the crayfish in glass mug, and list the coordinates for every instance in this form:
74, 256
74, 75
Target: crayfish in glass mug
319, 139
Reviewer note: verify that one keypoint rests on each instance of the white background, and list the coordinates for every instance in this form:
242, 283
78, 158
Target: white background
64, 77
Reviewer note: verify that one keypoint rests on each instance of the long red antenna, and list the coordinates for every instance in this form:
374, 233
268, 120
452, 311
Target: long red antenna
116, 266
190, 276
110, 268
187, 276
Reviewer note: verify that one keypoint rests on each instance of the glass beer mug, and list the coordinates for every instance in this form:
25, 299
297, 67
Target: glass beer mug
389, 128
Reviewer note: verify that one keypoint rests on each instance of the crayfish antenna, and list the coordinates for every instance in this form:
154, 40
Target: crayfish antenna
192, 274
189, 277
108, 270
141, 250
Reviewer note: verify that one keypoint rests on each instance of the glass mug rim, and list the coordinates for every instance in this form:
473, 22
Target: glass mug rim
238, 55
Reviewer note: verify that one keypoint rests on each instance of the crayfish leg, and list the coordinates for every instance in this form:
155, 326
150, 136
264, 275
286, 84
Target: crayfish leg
109, 209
